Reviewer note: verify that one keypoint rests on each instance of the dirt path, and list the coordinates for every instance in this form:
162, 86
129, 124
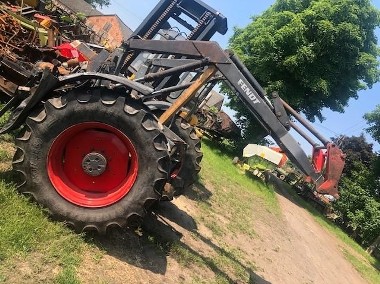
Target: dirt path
300, 250
291, 248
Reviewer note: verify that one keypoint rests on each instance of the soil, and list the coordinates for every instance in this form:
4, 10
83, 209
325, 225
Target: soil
291, 248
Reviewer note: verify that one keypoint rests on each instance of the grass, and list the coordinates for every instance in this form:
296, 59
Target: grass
218, 168
229, 211
32, 248
235, 195
42, 251
365, 264
28, 239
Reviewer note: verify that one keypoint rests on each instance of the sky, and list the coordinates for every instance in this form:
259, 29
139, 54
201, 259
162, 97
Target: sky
239, 13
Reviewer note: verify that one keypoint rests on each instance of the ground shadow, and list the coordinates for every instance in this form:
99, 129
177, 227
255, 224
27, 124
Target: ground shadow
282, 188
149, 250
133, 247
198, 192
172, 213
302, 198
11, 177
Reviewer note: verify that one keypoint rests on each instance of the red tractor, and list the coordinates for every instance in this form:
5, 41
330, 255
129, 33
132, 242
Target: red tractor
99, 146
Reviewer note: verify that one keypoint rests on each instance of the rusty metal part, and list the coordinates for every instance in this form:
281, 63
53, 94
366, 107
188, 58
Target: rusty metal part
7, 86
334, 168
13, 37
151, 31
204, 19
188, 94
217, 124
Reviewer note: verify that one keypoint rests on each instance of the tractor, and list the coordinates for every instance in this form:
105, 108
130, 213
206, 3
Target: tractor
99, 146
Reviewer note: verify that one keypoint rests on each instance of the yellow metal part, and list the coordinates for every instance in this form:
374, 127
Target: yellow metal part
192, 120
32, 3
246, 167
187, 95
198, 133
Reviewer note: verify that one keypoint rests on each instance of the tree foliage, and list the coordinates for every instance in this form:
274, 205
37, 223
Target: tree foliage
316, 53
358, 152
99, 3
359, 203
373, 120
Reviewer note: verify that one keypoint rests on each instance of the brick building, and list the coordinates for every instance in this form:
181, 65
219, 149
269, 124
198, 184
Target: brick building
110, 30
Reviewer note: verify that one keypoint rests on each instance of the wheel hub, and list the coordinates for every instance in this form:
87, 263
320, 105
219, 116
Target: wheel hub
94, 164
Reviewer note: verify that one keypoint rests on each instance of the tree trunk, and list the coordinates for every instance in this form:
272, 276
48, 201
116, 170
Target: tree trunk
374, 245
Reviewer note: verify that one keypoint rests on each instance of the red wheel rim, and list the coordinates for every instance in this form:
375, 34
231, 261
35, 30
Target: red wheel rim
92, 164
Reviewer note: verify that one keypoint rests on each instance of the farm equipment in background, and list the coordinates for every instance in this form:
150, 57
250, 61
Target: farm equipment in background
102, 144
258, 159
213, 121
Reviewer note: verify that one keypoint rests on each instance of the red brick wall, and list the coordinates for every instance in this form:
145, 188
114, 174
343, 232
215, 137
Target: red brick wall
114, 36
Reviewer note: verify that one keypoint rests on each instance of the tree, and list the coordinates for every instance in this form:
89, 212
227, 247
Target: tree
315, 53
99, 3
373, 119
358, 152
359, 203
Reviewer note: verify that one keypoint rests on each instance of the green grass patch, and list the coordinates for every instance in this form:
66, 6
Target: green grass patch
5, 155
217, 166
185, 256
28, 239
236, 197
365, 264
367, 271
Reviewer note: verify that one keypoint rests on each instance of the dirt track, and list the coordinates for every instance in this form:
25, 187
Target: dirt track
300, 250
290, 249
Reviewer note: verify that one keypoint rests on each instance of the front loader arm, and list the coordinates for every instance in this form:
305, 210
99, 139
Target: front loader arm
252, 95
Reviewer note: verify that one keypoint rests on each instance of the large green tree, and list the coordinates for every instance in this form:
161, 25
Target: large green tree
359, 203
99, 3
315, 53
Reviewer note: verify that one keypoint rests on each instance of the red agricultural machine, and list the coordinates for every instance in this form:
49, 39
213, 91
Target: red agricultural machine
99, 146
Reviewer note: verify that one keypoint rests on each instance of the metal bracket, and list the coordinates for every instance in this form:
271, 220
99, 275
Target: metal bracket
280, 111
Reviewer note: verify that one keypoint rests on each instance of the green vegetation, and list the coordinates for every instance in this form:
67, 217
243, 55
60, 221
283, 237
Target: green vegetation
218, 169
230, 211
373, 120
358, 207
316, 54
46, 251
100, 3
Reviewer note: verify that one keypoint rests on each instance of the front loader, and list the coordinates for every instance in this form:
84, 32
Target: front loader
98, 147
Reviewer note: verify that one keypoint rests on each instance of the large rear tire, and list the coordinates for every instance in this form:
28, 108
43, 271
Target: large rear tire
190, 166
93, 159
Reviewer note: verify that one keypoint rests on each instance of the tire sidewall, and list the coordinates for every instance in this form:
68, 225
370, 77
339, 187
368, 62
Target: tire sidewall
55, 123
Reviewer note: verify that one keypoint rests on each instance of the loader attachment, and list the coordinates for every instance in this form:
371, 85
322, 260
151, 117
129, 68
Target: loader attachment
272, 115
333, 171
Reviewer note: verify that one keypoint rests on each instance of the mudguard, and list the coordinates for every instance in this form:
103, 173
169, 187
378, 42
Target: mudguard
49, 83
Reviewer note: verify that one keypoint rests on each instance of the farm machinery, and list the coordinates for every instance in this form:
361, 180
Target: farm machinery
259, 159
99, 146
264, 162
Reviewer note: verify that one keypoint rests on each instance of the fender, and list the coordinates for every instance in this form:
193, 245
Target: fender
49, 83
157, 105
